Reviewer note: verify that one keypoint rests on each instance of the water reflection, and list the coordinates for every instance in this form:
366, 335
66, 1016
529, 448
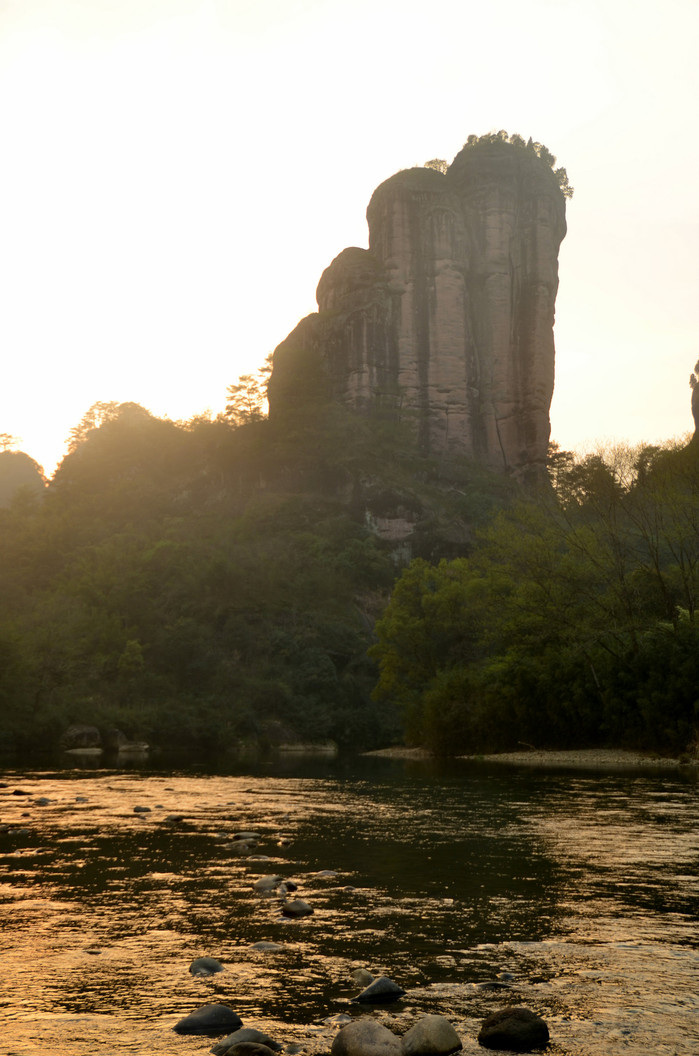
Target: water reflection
582, 887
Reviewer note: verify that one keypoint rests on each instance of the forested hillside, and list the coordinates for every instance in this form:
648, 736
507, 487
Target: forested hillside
219, 582
573, 622
211, 582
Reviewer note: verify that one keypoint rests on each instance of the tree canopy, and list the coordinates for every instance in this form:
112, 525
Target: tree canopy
573, 621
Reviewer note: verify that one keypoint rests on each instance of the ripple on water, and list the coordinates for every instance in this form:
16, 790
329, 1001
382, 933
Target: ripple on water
584, 890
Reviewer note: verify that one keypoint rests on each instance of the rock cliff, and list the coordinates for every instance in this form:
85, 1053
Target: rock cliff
446, 321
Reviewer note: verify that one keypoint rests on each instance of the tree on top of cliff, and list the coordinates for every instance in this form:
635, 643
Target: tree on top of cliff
538, 149
438, 164
246, 399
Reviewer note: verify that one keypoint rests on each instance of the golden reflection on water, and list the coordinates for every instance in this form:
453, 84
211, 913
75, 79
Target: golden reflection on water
584, 889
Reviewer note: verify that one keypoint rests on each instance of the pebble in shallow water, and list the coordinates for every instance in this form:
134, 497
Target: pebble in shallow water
382, 991
267, 884
205, 966
296, 908
247, 1036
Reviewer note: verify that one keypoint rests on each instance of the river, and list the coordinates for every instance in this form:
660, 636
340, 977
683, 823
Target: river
577, 894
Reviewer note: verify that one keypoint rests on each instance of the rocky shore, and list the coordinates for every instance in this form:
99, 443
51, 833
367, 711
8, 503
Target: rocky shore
572, 759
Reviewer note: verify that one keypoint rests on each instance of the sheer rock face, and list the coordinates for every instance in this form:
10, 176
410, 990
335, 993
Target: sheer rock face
447, 319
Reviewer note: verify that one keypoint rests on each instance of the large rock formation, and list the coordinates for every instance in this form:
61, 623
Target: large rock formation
447, 319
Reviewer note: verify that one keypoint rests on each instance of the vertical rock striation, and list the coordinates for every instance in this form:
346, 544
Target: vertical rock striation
447, 319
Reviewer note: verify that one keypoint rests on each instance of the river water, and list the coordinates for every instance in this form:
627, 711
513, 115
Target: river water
577, 893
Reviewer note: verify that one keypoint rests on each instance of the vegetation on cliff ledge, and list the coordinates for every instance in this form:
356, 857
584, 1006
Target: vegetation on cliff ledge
515, 140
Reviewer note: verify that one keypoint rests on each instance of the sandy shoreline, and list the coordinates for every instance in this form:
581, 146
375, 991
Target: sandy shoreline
574, 759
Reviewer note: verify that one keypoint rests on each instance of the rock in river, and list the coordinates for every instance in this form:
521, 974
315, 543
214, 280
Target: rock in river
382, 991
297, 908
431, 1036
245, 1036
514, 1028
267, 884
209, 1019
366, 1037
249, 1048
362, 976
205, 966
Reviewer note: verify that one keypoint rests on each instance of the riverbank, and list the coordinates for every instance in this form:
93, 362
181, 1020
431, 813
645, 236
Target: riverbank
573, 759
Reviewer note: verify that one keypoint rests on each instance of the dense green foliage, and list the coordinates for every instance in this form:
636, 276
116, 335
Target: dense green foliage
176, 582
222, 581
18, 473
530, 145
573, 621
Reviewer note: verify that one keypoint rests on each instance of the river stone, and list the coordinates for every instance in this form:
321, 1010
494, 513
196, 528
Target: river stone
249, 1048
431, 1036
267, 947
362, 977
514, 1028
366, 1037
247, 1036
209, 1019
381, 991
205, 966
238, 847
297, 908
267, 883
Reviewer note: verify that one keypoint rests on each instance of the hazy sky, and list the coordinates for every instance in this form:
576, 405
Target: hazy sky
176, 174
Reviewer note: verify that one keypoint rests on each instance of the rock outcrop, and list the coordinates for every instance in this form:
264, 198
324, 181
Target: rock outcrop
694, 386
446, 321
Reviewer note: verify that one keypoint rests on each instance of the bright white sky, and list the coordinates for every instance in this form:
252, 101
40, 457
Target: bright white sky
176, 174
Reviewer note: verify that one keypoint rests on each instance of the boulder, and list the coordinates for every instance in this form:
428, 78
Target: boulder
240, 847
382, 991
366, 1037
266, 884
514, 1028
296, 908
205, 966
245, 1036
362, 977
209, 1019
114, 739
431, 1036
249, 1048
80, 736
